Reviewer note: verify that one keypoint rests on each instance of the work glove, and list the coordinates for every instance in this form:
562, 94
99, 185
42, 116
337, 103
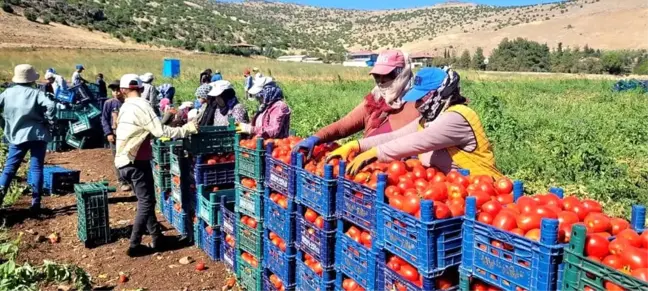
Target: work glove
244, 128
307, 144
343, 152
362, 160
191, 127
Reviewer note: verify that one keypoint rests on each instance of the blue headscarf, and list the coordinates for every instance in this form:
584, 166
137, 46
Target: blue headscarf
270, 94
166, 91
216, 77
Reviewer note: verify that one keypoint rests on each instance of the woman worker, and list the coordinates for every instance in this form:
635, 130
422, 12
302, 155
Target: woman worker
382, 110
272, 120
448, 135
222, 105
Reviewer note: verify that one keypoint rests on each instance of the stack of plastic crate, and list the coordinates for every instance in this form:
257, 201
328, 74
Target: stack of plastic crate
161, 165
93, 226
77, 122
183, 191
249, 185
316, 228
279, 213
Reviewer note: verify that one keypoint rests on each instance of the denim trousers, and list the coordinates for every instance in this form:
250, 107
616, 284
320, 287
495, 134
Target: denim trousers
17, 153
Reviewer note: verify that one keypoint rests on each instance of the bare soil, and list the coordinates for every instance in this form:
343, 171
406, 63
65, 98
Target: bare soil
160, 271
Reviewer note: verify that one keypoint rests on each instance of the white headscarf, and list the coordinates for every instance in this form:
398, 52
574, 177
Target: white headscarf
392, 92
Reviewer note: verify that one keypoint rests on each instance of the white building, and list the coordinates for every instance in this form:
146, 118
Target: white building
359, 59
294, 58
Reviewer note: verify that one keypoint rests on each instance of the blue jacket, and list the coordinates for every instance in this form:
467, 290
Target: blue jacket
216, 77
248, 83
27, 114
111, 105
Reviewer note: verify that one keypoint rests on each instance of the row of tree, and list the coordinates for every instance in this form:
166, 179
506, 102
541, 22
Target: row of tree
521, 55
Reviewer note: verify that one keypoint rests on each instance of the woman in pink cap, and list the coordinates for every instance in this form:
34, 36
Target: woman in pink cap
381, 111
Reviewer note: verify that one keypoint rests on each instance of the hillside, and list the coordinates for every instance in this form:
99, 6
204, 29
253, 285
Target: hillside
208, 25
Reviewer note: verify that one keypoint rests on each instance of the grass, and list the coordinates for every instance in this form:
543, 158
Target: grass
547, 130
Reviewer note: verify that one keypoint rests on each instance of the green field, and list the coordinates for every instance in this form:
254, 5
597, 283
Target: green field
546, 130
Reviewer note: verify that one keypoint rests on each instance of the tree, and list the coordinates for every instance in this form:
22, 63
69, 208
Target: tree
478, 59
7, 8
464, 60
613, 63
31, 15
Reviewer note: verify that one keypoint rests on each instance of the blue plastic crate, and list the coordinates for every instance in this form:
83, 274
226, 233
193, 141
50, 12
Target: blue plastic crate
357, 202
181, 221
210, 243
280, 263
217, 174
318, 193
429, 245
228, 254
198, 232
307, 280
390, 280
66, 96
167, 210
227, 216
268, 286
354, 259
209, 201
279, 175
249, 201
280, 221
58, 180
319, 243
341, 275
523, 263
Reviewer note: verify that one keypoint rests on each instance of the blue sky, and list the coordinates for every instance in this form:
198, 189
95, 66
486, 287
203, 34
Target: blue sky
393, 4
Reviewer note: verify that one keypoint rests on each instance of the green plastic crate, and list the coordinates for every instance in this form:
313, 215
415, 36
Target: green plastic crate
162, 179
57, 144
65, 114
212, 139
208, 204
179, 164
250, 278
162, 151
250, 239
75, 141
93, 226
249, 201
250, 163
82, 125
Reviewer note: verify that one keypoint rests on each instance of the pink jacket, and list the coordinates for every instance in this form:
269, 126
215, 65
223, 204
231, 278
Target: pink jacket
274, 122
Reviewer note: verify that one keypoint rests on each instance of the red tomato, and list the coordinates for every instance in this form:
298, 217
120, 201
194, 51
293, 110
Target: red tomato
503, 186
395, 170
580, 210
419, 172
485, 217
546, 212
613, 261
319, 222
528, 221
632, 237
596, 246
420, 184
405, 184
644, 239
452, 176
456, 191
617, 246
481, 197
441, 211
641, 274
518, 231
438, 177
609, 286
592, 205
409, 273
365, 238
397, 202
487, 188
634, 258
526, 204
505, 199
430, 173
552, 199
533, 234
569, 202
392, 191
443, 283
619, 224
505, 220
411, 204
567, 217
414, 163
436, 192
597, 222
457, 209
493, 207
310, 215
463, 181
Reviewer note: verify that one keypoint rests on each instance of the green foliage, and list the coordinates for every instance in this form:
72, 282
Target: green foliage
520, 55
6, 7
31, 15
478, 59
614, 62
47, 19
641, 68
464, 61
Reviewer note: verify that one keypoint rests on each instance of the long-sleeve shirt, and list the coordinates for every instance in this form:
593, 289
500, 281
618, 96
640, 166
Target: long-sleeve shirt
110, 107
274, 122
248, 83
103, 91
27, 113
358, 120
450, 129
150, 94
135, 122
238, 113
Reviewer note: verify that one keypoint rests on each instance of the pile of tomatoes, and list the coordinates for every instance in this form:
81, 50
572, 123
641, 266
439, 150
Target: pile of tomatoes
316, 163
349, 285
250, 259
478, 285
276, 282
311, 216
313, 264
283, 147
248, 143
279, 199
230, 240
627, 253
249, 183
411, 274
249, 221
219, 159
360, 236
277, 241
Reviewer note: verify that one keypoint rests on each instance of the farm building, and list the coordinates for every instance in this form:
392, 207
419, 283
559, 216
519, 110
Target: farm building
312, 60
360, 58
293, 58
421, 59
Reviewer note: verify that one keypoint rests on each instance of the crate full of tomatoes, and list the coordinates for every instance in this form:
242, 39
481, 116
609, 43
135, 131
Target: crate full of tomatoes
279, 213
249, 272
316, 180
212, 139
249, 198
279, 257
312, 275
316, 235
215, 169
356, 195
280, 171
250, 158
209, 200
210, 240
394, 273
228, 251
608, 254
355, 256
420, 214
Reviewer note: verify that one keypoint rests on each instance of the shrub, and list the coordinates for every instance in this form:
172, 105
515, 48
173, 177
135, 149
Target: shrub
31, 15
7, 8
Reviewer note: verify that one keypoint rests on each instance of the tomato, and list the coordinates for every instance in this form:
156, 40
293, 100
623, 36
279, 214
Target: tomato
580, 210
481, 197
596, 246
457, 209
452, 176
319, 222
569, 202
411, 204
633, 238
443, 283
252, 222
609, 286
618, 224
567, 217
493, 207
414, 163
553, 200
612, 261
565, 231
634, 258
441, 210
533, 234
487, 188
463, 181
518, 231
546, 212
430, 173
505, 220
528, 221
420, 184
505, 199
644, 239
365, 238
592, 205
526, 204
438, 177
597, 222
392, 191
641, 274
436, 192
397, 202
395, 170
485, 217
409, 273
419, 172
405, 184
361, 177
457, 191
310, 215
617, 246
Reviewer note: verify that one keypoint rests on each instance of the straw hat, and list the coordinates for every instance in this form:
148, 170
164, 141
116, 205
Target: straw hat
25, 74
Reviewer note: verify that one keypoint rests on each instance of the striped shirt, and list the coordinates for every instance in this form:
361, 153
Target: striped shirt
135, 122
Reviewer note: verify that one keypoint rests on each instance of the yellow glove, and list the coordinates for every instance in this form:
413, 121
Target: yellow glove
243, 128
362, 160
344, 151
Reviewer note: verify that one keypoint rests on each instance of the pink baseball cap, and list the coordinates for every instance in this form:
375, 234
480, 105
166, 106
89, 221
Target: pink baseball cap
388, 61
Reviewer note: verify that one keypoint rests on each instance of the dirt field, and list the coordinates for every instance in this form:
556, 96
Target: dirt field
156, 272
